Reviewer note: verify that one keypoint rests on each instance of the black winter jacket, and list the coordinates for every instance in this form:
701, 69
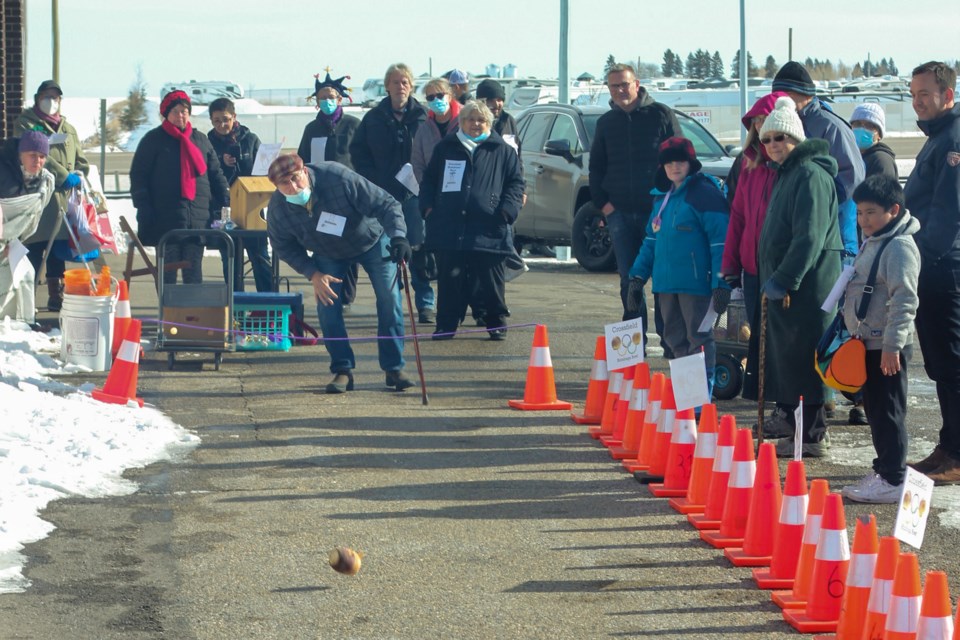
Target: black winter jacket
932, 193
623, 157
382, 144
155, 186
244, 150
11, 173
338, 137
478, 216
881, 160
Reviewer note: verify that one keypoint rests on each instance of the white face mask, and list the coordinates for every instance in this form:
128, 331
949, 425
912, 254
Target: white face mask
49, 106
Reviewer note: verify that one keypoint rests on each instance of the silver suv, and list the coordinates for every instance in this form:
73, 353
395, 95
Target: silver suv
556, 141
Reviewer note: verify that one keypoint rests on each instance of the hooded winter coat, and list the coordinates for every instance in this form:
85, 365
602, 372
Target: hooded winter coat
382, 144
888, 323
623, 156
64, 158
800, 250
932, 193
155, 186
881, 160
428, 135
339, 136
477, 217
244, 150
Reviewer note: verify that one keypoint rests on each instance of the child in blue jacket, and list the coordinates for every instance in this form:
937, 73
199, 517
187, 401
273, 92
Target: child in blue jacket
683, 249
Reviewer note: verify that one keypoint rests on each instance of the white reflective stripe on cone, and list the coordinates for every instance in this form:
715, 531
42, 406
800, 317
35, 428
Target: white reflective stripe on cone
122, 309
904, 614
616, 379
793, 511
935, 628
833, 545
129, 351
653, 412
706, 446
665, 421
742, 473
684, 432
599, 370
626, 391
861, 569
724, 459
811, 531
880, 596
639, 400
540, 357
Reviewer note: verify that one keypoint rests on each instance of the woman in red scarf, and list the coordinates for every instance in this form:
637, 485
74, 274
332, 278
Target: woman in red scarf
176, 183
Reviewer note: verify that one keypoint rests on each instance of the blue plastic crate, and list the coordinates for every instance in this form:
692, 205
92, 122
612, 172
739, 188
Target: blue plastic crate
261, 327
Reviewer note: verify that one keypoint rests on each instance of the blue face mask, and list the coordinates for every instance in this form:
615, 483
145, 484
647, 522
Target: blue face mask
328, 106
864, 137
481, 137
439, 106
301, 198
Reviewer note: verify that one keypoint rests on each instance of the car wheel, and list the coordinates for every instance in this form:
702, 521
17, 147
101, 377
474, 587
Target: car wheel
591, 243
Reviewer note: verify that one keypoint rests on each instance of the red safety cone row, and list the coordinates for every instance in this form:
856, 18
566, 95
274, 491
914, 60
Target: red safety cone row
630, 445
608, 415
904, 615
789, 534
719, 478
765, 499
935, 619
695, 500
683, 442
596, 388
736, 507
649, 426
878, 606
621, 409
856, 592
661, 442
796, 598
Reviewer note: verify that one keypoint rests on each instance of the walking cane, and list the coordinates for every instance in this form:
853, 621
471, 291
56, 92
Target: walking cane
763, 365
413, 326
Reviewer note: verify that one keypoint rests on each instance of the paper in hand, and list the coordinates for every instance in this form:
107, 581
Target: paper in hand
265, 155
407, 178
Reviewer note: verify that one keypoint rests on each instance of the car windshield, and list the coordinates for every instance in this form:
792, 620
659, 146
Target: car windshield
590, 124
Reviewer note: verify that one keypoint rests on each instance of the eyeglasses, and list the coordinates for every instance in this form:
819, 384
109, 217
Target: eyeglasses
434, 96
623, 86
780, 137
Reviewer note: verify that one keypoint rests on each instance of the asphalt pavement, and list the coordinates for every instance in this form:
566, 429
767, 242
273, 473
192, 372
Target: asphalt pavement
475, 520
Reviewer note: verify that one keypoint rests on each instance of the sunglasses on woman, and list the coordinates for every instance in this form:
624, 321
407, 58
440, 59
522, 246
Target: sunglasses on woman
780, 137
434, 96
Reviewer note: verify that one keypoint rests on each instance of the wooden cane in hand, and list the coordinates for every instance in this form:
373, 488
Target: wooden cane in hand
761, 373
413, 327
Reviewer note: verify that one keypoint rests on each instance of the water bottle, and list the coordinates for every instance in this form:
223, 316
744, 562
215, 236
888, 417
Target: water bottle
226, 222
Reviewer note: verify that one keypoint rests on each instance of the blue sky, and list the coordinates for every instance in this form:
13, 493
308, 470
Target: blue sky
282, 44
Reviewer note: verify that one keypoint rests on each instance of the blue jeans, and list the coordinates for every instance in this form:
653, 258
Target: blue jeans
423, 295
260, 263
383, 277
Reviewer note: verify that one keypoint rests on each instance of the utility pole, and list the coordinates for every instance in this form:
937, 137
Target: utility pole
563, 80
744, 56
55, 22
789, 44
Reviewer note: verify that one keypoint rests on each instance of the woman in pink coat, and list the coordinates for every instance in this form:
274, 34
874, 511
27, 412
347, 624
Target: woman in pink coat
749, 207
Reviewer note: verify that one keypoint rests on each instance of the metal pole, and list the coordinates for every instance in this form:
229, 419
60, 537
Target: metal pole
55, 22
103, 139
789, 44
744, 80
564, 97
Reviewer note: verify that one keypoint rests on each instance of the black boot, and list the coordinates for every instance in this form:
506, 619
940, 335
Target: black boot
55, 293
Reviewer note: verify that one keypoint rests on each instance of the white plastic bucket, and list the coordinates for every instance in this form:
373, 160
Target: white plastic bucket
86, 323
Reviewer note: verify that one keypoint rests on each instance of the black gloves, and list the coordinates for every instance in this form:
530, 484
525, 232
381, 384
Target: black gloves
721, 298
635, 296
400, 250
733, 280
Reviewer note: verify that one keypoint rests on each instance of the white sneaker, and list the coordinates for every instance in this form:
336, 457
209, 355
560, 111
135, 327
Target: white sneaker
874, 490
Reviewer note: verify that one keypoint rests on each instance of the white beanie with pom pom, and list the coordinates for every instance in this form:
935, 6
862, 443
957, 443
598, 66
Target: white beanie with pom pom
784, 119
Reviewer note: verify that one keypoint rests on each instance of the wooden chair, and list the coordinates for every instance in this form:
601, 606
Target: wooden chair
150, 269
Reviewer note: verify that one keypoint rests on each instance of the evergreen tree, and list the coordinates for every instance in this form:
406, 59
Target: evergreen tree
883, 69
135, 113
610, 62
857, 71
716, 65
693, 66
669, 64
752, 69
893, 67
770, 67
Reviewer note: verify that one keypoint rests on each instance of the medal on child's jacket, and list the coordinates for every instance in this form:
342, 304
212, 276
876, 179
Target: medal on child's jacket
657, 221
953, 158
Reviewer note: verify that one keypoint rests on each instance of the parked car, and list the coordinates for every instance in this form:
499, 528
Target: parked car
556, 143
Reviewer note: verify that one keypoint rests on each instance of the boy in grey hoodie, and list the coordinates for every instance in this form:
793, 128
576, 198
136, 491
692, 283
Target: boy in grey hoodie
887, 329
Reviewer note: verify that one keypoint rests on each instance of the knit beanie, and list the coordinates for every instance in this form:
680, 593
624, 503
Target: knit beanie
34, 141
794, 77
870, 112
784, 119
284, 165
172, 99
490, 89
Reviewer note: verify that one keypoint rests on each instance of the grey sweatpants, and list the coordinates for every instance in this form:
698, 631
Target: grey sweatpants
682, 315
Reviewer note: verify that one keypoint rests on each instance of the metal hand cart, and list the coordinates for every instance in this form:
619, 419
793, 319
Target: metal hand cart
196, 317
731, 333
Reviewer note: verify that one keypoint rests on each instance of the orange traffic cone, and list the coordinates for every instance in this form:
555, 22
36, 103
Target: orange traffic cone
121, 318
736, 507
596, 388
706, 450
757, 549
935, 619
880, 591
789, 533
683, 442
621, 409
649, 426
796, 598
661, 439
630, 446
905, 598
856, 593
541, 392
121, 384
831, 564
719, 478
608, 416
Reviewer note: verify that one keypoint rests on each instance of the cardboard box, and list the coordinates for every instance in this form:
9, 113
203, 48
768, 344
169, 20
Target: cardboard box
207, 327
249, 195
